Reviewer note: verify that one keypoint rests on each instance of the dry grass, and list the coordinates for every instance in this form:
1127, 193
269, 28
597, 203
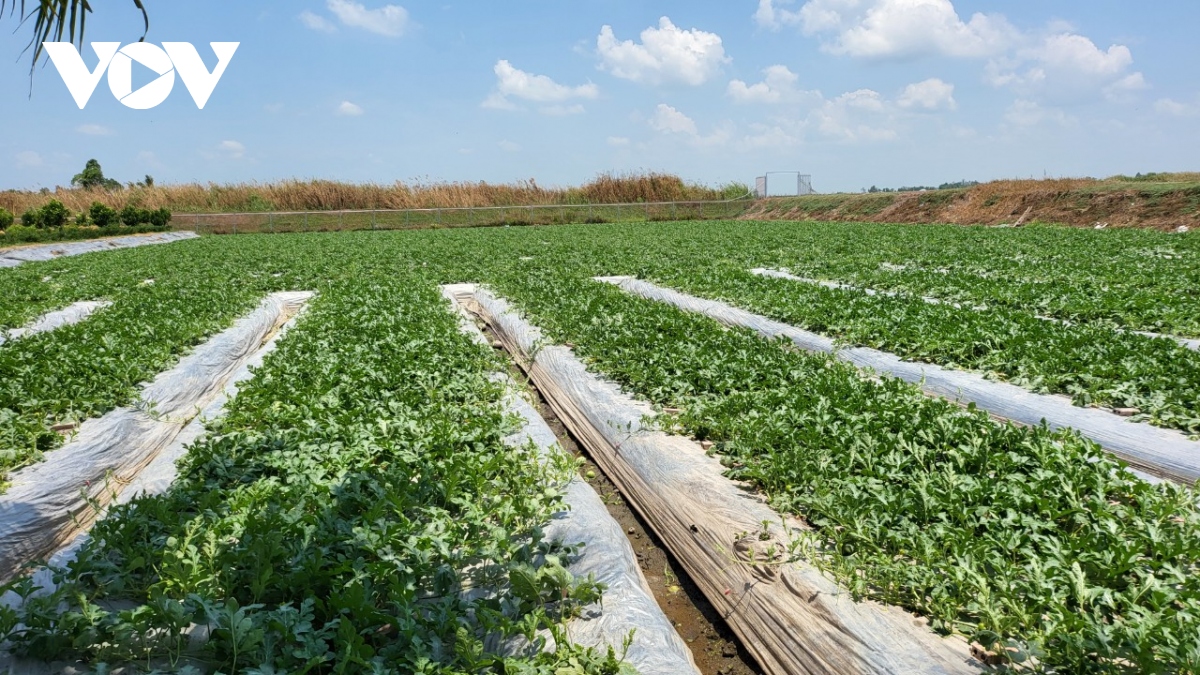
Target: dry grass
296, 195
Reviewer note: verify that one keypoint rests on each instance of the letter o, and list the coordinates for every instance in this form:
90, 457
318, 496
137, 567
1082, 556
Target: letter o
120, 75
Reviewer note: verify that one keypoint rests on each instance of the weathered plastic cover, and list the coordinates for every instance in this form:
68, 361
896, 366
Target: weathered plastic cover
48, 502
11, 257
788, 615
1161, 452
628, 603
1190, 343
66, 316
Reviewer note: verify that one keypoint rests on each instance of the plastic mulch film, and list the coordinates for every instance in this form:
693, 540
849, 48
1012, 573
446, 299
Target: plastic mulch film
791, 617
628, 602
1190, 343
1164, 453
51, 502
66, 316
11, 257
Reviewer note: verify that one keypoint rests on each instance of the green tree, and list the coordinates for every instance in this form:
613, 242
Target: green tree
54, 19
92, 177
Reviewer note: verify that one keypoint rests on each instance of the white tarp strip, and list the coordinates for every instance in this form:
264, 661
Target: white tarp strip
11, 257
1190, 343
791, 617
66, 316
628, 602
51, 501
1162, 452
155, 479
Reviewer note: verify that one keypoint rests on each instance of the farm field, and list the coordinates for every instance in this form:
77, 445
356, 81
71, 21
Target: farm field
358, 482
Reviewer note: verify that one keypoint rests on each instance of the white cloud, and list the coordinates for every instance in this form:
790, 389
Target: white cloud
389, 20
774, 18
932, 94
560, 110
317, 22
862, 115
232, 149
1068, 67
515, 83
891, 29
779, 84
28, 159
348, 109
670, 121
497, 101
518, 83
617, 141
667, 54
1026, 113
508, 146
94, 130
1173, 108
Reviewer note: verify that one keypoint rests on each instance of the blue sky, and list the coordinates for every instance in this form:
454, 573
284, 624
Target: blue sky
855, 92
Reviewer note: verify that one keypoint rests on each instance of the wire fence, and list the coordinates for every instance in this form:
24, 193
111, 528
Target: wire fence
480, 216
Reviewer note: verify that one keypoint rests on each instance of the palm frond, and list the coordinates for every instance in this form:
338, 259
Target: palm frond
54, 19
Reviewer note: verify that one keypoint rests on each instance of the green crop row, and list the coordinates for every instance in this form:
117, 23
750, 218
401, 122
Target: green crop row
1131, 279
1011, 536
1032, 542
1091, 363
355, 511
82, 371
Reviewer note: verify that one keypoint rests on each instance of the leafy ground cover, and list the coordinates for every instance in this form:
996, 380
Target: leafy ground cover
1133, 279
356, 511
1091, 363
20, 234
1013, 536
82, 371
1031, 542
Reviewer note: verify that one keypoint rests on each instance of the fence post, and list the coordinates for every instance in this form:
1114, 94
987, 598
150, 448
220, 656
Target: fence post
438, 217
372, 218
341, 220
306, 221
271, 221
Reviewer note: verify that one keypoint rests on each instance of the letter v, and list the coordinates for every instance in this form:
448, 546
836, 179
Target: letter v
199, 82
74, 72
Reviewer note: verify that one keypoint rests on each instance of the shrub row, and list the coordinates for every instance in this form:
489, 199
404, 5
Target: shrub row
54, 215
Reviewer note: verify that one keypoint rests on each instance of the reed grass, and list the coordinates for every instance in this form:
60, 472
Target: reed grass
311, 195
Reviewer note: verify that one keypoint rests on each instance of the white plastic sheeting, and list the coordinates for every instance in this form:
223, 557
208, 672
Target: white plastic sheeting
1161, 452
789, 616
628, 602
66, 316
1190, 343
50, 502
11, 257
